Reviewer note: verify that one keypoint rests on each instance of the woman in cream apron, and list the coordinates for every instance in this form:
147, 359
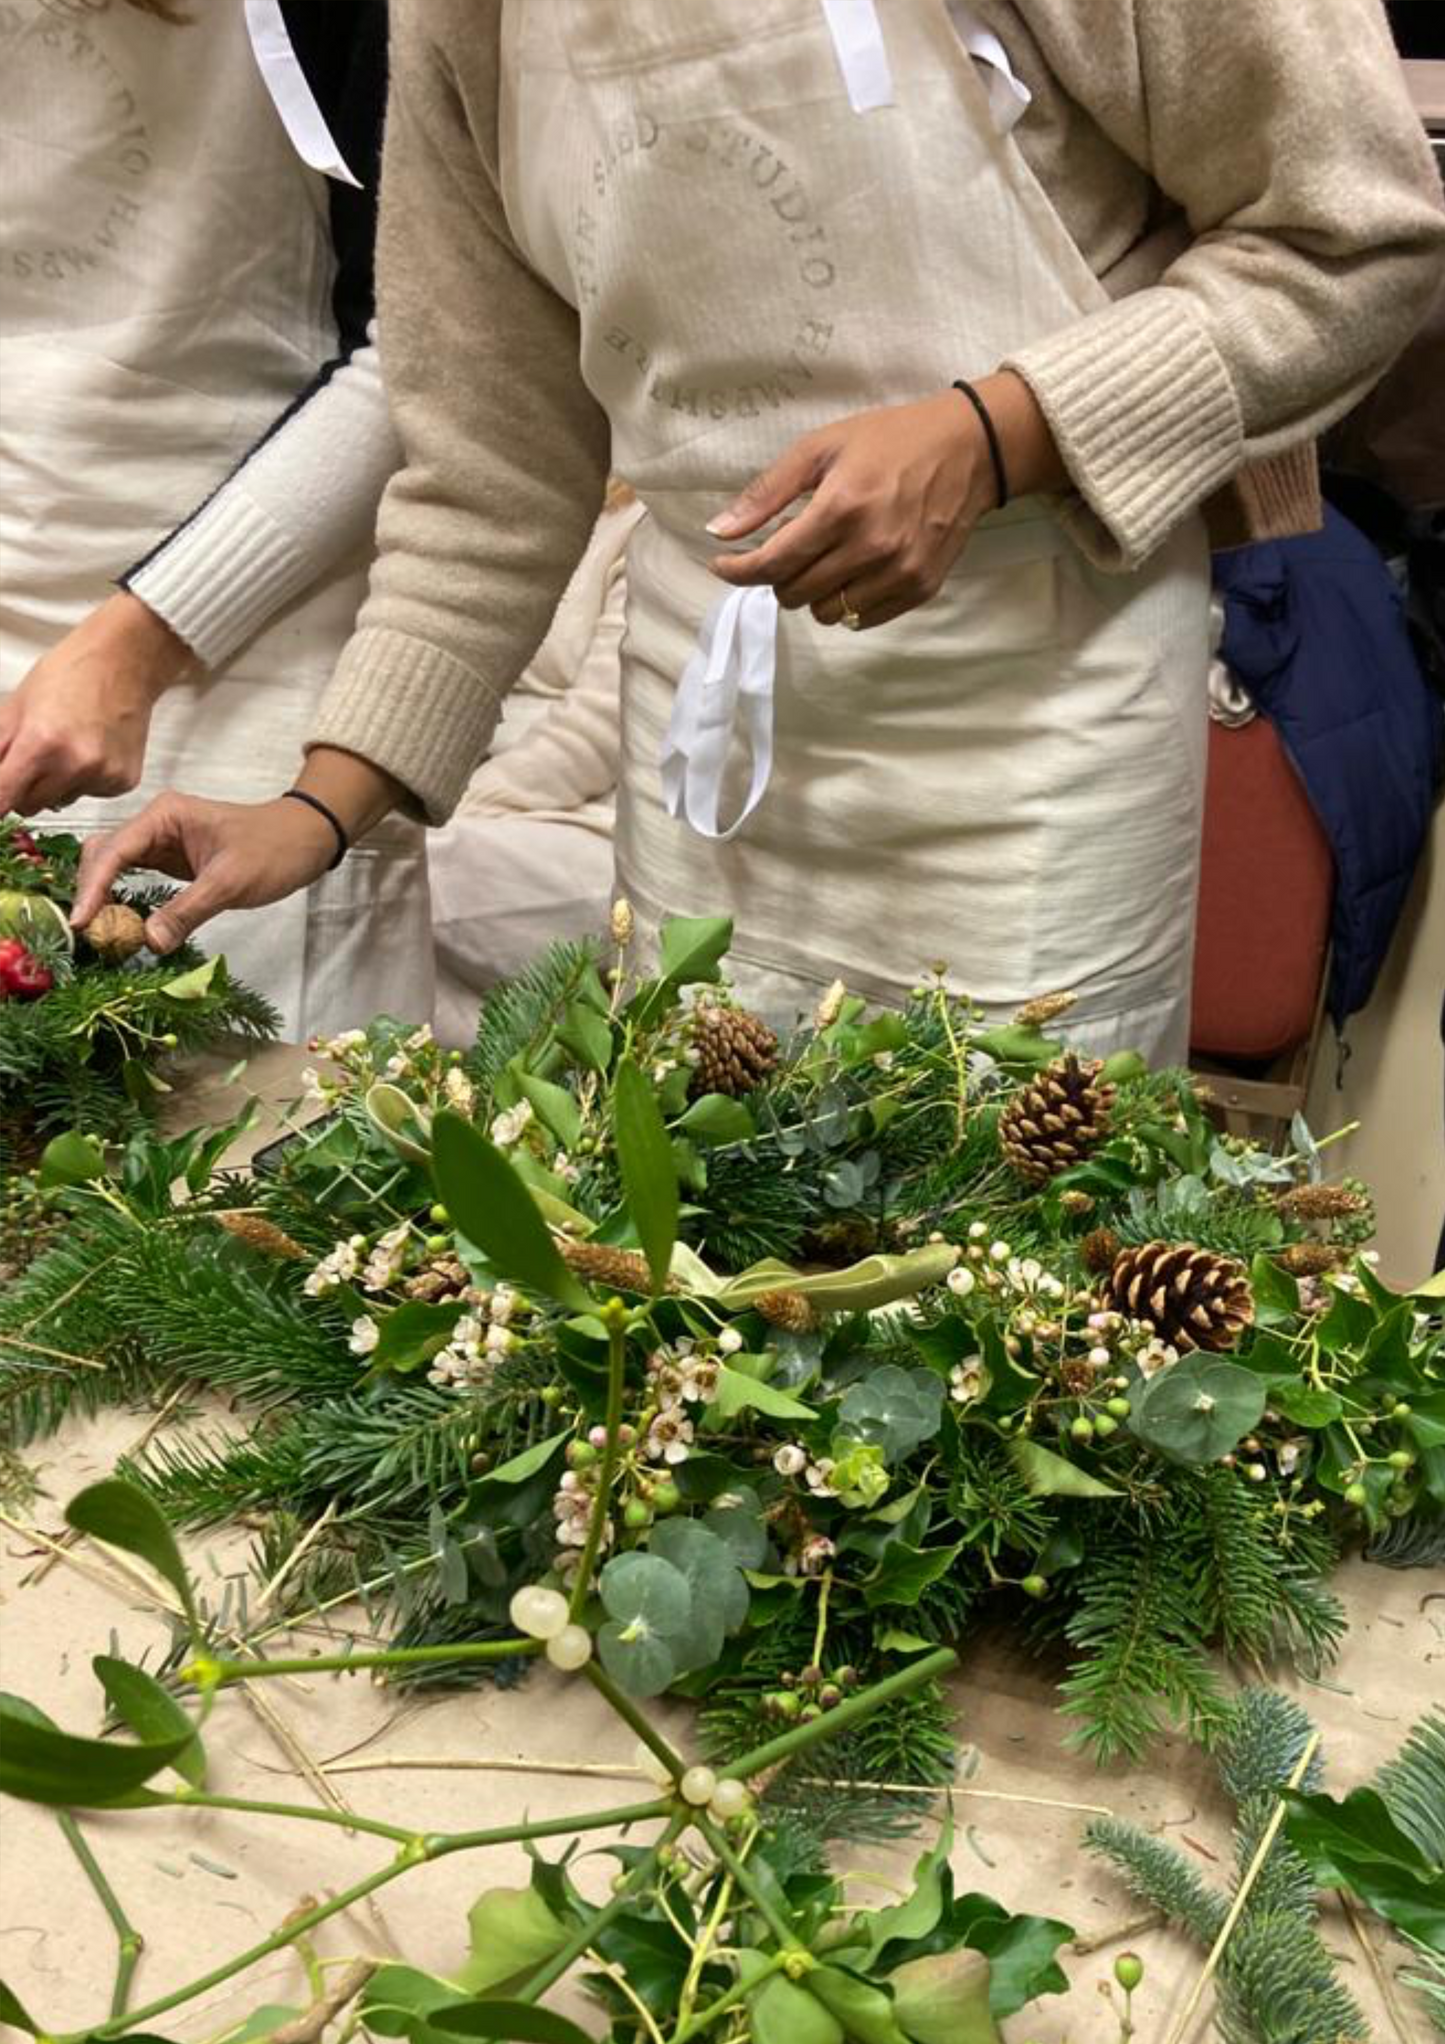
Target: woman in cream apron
1008, 780
157, 221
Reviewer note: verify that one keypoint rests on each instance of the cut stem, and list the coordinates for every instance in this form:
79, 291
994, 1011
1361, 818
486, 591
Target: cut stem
128, 1939
214, 1674
744, 1878
630, 1714
587, 1934
615, 1316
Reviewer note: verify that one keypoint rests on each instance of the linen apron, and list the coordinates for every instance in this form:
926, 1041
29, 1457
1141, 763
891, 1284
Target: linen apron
165, 275
760, 239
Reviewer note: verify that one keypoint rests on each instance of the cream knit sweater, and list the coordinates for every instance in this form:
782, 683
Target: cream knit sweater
1248, 179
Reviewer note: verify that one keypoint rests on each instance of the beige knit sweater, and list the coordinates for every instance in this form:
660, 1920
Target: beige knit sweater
1247, 177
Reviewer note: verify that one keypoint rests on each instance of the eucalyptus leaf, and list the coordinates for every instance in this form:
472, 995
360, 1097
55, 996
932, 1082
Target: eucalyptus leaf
1198, 1409
493, 1208
894, 1409
649, 1172
119, 1513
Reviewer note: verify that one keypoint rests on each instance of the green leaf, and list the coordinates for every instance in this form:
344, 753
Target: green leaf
119, 1513
514, 1493
152, 1713
554, 1107
513, 1932
864, 2010
516, 2022
398, 2001
1015, 1044
649, 1172
586, 1037
650, 1607
740, 1526
1021, 1955
1048, 1475
1357, 1844
717, 1118
718, 1592
944, 1999
1276, 1293
402, 1124
692, 948
863, 1288
13, 2011
906, 1572
1308, 1405
737, 1392
1199, 1408
893, 1409
39, 1764
493, 1208
411, 1335
71, 1159
260, 2025
781, 2013
916, 1916
195, 984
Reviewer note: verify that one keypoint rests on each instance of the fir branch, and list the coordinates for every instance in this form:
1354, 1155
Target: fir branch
1277, 1985
1413, 1786
1416, 1541
516, 1019
1158, 1875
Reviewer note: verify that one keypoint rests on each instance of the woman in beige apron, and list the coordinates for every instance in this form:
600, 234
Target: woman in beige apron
165, 295
767, 222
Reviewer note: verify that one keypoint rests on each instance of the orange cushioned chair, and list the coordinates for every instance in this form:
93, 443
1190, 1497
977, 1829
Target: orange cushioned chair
1261, 963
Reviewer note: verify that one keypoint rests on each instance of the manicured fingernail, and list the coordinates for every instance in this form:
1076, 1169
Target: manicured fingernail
725, 526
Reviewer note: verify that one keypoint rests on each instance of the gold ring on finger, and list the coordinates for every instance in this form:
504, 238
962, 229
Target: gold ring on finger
851, 618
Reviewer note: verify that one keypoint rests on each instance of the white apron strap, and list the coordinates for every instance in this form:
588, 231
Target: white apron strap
291, 92
1008, 97
862, 53
730, 678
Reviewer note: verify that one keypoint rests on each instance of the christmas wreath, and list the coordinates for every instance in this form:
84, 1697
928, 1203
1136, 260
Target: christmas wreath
86, 1021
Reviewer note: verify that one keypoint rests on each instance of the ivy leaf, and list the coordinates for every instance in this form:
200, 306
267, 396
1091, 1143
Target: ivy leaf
905, 1573
152, 1713
492, 1207
515, 2022
398, 2001
916, 1916
649, 1171
125, 1517
197, 983
780, 2013
412, 1334
514, 1493
1021, 1955
1308, 1405
865, 2011
39, 1764
737, 1392
1276, 1293
893, 1409
1048, 1475
512, 1933
944, 1999
691, 948
1199, 1408
718, 1118
1357, 1844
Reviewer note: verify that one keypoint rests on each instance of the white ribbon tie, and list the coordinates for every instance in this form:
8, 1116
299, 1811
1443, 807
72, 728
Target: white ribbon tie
729, 681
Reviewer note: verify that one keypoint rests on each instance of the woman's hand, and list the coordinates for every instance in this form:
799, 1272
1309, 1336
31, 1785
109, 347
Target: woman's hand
234, 854
895, 495
79, 721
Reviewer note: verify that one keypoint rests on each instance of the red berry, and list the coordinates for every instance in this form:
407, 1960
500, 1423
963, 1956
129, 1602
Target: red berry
22, 975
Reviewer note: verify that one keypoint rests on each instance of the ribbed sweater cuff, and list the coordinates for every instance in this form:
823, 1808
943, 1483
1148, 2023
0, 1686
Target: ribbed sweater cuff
227, 571
412, 710
1145, 417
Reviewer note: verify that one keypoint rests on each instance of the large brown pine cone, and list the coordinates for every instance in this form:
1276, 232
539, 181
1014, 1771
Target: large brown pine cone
1058, 1119
1191, 1297
734, 1051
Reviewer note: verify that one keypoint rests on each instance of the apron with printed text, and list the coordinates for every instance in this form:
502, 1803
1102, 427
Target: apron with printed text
768, 218
165, 276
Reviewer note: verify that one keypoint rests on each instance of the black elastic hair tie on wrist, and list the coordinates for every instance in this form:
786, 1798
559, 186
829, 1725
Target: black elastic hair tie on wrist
1000, 473
343, 842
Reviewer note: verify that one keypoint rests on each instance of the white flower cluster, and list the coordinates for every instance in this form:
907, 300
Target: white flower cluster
966, 1380
403, 1062
508, 1129
794, 1460
337, 1267
387, 1260
458, 1090
572, 1509
479, 1339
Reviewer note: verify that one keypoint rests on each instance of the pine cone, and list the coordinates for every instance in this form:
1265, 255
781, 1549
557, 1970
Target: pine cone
1321, 1202
1101, 1248
1043, 1009
794, 1312
1191, 1297
1311, 1259
734, 1051
621, 1270
263, 1235
1057, 1120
